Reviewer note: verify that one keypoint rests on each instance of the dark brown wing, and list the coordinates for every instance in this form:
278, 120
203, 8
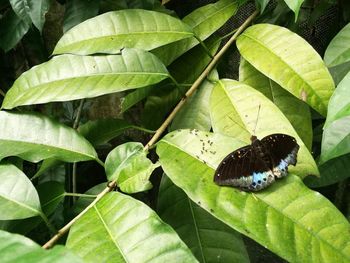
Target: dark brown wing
237, 168
283, 150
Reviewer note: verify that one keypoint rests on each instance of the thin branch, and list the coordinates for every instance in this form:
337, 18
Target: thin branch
197, 83
65, 229
74, 170
80, 195
158, 133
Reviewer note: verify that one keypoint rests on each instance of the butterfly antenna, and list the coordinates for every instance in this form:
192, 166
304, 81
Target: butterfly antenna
257, 118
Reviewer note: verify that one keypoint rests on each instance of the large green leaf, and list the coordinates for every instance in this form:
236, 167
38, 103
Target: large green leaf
195, 113
12, 29
121, 229
35, 137
287, 218
78, 11
22, 9
234, 109
129, 166
338, 50
336, 135
70, 77
209, 239
204, 21
296, 111
112, 31
19, 249
290, 61
18, 197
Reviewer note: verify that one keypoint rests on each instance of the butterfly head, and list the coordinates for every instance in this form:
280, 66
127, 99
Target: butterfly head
253, 138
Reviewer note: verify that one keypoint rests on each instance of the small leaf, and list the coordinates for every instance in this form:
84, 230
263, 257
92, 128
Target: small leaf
18, 197
115, 233
38, 10
101, 131
289, 60
17, 248
34, 137
70, 77
295, 6
113, 31
129, 166
296, 111
332, 171
336, 135
78, 11
262, 4
134, 97
287, 217
22, 9
12, 29
338, 50
204, 21
209, 239
234, 110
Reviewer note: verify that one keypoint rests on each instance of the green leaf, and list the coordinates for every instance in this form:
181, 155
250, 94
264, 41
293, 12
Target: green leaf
22, 9
12, 29
287, 218
78, 11
332, 171
195, 113
116, 234
134, 97
296, 111
129, 166
262, 4
234, 110
336, 135
34, 137
338, 50
204, 21
18, 197
113, 31
70, 77
295, 6
101, 131
339, 72
45, 166
290, 61
51, 194
209, 239
19, 249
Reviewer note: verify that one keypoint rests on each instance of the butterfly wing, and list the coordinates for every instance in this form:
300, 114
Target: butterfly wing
243, 169
283, 150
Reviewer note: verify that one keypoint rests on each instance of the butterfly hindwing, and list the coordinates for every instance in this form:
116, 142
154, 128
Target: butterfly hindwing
283, 151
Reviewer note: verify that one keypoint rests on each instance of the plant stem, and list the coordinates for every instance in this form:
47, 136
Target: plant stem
74, 170
80, 195
158, 133
199, 80
65, 229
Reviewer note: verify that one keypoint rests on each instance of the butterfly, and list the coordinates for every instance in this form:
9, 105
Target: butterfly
256, 166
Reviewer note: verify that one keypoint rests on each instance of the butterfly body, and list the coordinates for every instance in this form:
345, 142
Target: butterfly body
256, 166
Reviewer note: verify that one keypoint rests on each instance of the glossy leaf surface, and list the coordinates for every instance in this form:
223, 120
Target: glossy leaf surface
234, 110
287, 218
34, 137
209, 239
70, 77
289, 60
18, 197
17, 248
336, 135
129, 166
113, 31
119, 228
204, 21
296, 111
338, 50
